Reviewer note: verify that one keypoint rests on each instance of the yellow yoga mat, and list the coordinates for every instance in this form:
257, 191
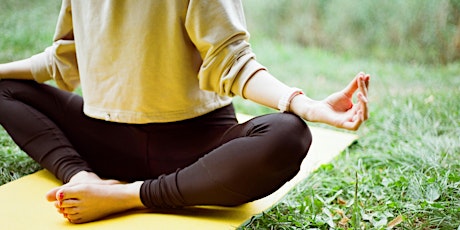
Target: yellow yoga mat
23, 204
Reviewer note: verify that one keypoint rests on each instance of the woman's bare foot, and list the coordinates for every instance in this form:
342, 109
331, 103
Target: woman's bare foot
87, 197
82, 177
81, 203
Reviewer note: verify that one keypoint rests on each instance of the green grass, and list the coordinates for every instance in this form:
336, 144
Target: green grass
406, 160
405, 164
26, 26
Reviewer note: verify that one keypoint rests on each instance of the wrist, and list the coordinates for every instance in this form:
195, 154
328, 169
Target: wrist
133, 194
302, 106
284, 103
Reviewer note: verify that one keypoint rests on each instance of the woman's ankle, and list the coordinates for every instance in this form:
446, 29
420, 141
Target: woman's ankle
133, 194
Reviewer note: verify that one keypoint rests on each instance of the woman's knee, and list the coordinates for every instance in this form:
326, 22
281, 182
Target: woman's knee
4, 88
9, 87
288, 139
293, 133
6, 92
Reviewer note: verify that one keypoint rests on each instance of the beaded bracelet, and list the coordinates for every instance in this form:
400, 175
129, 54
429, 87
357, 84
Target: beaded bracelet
285, 100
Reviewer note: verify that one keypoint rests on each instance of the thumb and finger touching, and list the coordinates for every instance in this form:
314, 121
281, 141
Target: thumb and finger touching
353, 85
358, 112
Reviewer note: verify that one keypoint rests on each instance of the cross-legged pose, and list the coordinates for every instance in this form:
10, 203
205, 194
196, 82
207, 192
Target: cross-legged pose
155, 126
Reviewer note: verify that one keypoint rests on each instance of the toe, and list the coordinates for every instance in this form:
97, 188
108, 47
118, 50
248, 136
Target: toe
51, 195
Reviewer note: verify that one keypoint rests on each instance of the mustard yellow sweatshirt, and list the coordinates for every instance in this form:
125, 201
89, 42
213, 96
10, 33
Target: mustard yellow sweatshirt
143, 61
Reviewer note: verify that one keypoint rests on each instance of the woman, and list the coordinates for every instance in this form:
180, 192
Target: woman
155, 126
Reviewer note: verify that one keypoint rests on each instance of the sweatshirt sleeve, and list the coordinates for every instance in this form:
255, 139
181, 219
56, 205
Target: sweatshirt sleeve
218, 30
59, 61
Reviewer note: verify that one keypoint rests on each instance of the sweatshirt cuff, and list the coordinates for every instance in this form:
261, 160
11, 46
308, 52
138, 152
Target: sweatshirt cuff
251, 67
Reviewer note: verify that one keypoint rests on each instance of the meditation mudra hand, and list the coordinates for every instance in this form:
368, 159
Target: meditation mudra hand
339, 110
156, 117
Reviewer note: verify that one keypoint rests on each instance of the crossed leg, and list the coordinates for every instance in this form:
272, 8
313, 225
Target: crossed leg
229, 175
253, 160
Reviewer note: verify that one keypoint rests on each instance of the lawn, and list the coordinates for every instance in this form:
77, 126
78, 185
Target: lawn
404, 172
405, 167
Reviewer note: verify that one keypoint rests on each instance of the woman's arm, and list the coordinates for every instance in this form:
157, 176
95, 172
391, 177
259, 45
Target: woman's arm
337, 109
16, 70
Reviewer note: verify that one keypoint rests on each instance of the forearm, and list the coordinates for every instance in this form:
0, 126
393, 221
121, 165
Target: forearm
265, 89
16, 70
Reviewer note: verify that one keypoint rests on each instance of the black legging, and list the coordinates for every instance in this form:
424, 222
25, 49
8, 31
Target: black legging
209, 159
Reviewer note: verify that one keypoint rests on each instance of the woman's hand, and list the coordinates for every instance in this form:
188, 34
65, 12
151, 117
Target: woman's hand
338, 109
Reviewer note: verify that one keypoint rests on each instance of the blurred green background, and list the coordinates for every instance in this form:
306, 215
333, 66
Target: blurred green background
424, 31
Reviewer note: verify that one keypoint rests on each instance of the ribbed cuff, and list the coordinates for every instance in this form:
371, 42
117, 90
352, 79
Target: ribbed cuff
162, 192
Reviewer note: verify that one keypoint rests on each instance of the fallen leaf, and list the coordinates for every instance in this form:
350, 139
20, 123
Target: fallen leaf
395, 221
341, 201
344, 221
340, 212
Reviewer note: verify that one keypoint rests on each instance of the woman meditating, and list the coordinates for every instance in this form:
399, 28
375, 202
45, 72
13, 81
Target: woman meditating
155, 126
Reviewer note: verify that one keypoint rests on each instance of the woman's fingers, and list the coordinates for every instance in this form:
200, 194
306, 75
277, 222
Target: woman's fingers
362, 95
353, 85
354, 122
349, 115
362, 85
358, 114
362, 106
367, 79
360, 82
